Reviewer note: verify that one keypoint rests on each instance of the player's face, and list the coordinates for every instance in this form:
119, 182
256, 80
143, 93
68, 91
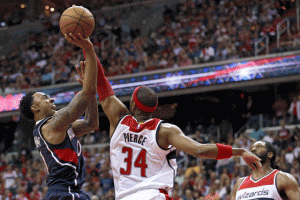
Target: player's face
44, 103
260, 150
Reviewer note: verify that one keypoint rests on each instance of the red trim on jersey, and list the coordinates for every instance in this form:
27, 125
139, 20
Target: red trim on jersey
134, 126
67, 155
268, 180
166, 194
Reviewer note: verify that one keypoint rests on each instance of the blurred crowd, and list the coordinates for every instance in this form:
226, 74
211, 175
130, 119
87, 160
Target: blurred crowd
24, 175
193, 32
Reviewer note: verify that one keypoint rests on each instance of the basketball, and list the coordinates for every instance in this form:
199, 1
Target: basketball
77, 19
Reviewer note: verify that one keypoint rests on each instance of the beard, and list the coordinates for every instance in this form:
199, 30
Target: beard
263, 157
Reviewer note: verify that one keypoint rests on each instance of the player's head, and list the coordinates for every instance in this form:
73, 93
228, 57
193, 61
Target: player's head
143, 99
265, 151
36, 103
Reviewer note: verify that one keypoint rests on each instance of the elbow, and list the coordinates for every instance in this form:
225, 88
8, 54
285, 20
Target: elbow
94, 125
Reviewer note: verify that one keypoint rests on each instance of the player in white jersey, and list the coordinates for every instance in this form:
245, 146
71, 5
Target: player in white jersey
142, 148
271, 184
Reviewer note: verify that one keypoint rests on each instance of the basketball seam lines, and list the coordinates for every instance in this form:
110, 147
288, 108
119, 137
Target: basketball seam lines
77, 13
82, 14
79, 22
77, 19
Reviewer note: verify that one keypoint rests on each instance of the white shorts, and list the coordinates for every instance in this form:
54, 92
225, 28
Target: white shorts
151, 194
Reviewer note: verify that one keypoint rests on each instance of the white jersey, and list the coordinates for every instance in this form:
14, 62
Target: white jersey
264, 188
138, 163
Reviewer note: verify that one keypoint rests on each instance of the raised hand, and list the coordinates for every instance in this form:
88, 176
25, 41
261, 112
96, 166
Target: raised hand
80, 41
252, 160
80, 71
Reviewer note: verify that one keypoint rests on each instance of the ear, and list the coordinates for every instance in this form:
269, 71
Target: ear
35, 108
270, 155
133, 107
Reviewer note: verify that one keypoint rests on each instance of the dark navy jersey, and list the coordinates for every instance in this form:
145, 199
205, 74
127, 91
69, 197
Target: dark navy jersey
64, 161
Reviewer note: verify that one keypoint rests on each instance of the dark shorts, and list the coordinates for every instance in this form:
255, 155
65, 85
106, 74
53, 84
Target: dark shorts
65, 194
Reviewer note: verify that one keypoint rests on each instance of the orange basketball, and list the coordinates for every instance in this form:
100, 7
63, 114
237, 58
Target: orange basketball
77, 19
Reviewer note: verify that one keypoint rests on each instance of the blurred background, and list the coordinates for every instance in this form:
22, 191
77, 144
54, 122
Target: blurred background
225, 71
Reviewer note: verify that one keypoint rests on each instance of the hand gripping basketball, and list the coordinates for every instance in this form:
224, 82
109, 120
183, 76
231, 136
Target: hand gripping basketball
79, 41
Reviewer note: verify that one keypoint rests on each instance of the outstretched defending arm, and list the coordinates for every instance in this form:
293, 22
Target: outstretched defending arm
111, 105
172, 135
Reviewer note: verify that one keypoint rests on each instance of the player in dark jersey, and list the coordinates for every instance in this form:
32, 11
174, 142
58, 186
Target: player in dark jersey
142, 105
56, 132
271, 184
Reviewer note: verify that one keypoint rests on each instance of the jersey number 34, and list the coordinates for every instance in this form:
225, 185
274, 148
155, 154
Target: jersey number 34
140, 161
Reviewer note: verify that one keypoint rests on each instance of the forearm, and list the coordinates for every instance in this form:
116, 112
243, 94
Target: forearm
90, 79
208, 151
91, 114
211, 151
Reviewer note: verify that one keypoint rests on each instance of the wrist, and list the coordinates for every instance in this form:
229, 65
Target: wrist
237, 151
87, 49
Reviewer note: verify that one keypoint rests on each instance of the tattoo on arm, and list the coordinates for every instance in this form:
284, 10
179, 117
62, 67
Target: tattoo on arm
91, 121
66, 116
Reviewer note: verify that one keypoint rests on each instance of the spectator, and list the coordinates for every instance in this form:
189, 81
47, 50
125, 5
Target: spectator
9, 177
213, 193
207, 53
89, 139
294, 110
296, 150
282, 163
175, 195
269, 137
289, 156
212, 131
168, 15
25, 152
284, 135
277, 20
195, 168
188, 195
2, 163
180, 176
106, 182
280, 108
21, 193
7, 195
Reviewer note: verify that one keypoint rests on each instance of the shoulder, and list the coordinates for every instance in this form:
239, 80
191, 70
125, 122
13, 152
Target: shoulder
169, 127
284, 176
284, 180
164, 132
166, 128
